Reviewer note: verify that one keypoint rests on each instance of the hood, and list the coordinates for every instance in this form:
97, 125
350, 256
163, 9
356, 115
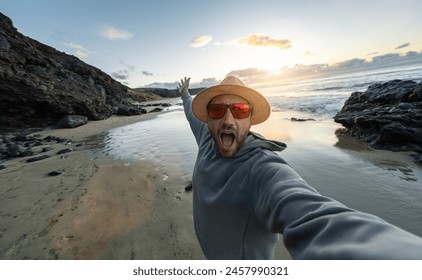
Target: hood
255, 140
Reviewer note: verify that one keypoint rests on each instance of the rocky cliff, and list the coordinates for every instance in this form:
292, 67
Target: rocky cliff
386, 116
39, 85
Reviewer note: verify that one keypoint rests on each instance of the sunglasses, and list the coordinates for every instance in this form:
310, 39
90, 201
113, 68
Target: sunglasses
238, 110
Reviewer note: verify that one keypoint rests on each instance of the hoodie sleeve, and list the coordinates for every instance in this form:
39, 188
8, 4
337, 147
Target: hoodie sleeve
318, 227
198, 128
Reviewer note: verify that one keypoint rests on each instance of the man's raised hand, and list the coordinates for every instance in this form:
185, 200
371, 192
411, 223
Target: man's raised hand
183, 85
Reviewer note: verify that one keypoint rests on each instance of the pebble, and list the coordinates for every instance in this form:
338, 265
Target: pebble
37, 158
54, 173
64, 151
188, 187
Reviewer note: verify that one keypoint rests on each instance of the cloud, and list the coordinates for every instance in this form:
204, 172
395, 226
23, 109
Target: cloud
112, 33
146, 73
73, 45
394, 59
386, 58
121, 74
257, 76
201, 41
131, 68
350, 64
251, 76
246, 72
80, 51
80, 54
127, 71
372, 53
172, 85
207, 82
309, 53
260, 40
354, 65
403, 46
124, 73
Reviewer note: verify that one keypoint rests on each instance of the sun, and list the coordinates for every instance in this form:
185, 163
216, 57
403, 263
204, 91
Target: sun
274, 59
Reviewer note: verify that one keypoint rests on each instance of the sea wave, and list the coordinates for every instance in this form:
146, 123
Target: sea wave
324, 97
325, 106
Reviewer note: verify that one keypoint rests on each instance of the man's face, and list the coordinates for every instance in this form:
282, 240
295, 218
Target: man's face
228, 132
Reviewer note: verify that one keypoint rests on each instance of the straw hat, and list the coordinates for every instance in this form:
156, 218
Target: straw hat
232, 85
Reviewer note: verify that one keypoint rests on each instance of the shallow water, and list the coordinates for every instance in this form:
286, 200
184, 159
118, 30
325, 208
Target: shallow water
383, 183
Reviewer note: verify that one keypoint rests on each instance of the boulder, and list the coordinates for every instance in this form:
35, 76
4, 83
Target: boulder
124, 110
386, 116
72, 121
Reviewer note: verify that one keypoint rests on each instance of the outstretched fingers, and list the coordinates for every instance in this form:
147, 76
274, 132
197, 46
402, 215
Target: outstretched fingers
183, 85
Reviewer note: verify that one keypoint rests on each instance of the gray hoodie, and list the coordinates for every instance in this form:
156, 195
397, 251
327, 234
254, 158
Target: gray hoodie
242, 204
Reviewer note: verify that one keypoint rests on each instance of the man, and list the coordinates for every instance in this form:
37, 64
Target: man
244, 194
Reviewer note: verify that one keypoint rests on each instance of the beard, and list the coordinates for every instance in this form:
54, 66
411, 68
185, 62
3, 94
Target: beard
228, 140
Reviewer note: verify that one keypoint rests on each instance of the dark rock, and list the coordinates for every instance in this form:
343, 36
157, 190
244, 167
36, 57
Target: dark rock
37, 158
162, 92
54, 173
46, 149
28, 152
37, 142
301, 120
418, 158
4, 44
15, 150
127, 110
21, 137
51, 138
158, 105
72, 121
3, 151
2, 167
65, 151
188, 187
386, 116
156, 110
13, 145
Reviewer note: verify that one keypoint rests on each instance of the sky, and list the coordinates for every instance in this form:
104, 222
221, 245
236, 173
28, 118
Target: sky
157, 42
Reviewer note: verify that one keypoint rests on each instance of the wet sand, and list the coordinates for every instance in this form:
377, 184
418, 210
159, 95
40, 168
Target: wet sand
97, 208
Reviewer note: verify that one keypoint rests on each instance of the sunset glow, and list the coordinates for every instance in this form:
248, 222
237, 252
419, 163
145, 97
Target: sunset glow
155, 43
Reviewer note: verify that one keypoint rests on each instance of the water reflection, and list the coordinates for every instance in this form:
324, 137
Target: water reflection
399, 163
379, 182
166, 139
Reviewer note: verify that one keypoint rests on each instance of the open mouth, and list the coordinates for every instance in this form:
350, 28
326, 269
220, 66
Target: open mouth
227, 138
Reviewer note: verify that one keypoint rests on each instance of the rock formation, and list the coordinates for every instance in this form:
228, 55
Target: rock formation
39, 85
386, 116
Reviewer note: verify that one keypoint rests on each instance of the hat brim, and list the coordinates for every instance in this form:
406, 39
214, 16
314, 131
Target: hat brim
260, 108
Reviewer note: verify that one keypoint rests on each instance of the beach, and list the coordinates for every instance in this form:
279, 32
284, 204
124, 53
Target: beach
122, 192
98, 208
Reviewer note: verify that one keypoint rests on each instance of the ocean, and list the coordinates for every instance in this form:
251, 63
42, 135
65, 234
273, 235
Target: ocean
383, 183
324, 97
